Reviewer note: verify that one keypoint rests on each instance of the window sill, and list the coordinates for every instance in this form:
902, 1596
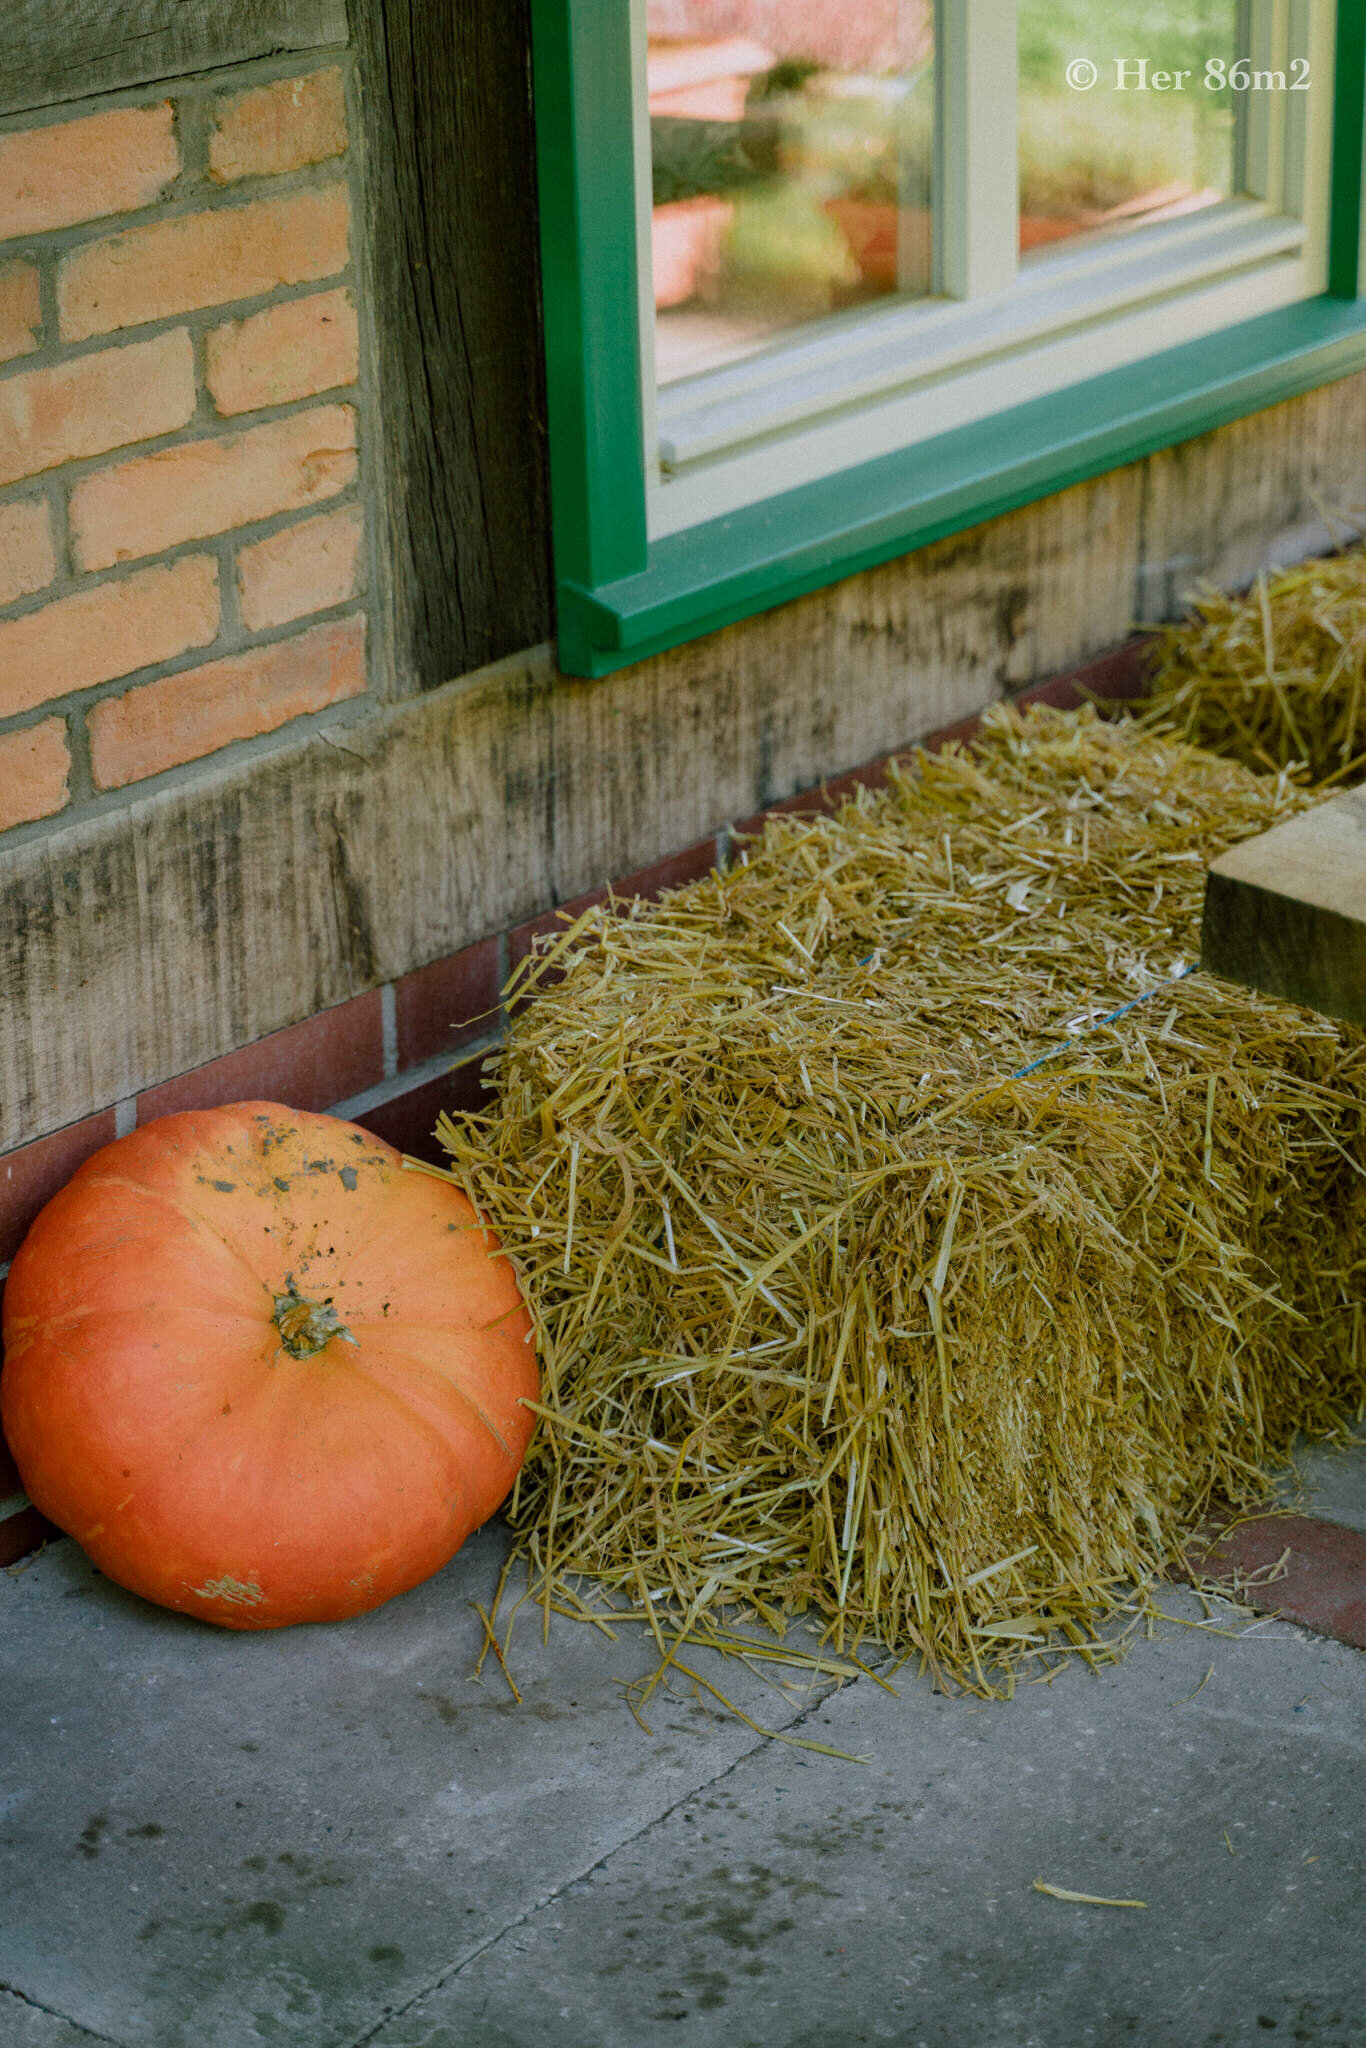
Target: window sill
849, 358
728, 568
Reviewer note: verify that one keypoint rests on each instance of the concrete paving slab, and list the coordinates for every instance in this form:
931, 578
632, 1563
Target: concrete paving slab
1329, 1480
800, 1903
28, 2026
218, 1840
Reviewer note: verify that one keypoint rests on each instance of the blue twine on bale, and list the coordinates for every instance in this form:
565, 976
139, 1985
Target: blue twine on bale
1100, 1022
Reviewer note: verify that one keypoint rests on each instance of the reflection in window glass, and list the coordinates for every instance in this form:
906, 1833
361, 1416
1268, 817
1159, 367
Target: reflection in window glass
792, 145
1092, 158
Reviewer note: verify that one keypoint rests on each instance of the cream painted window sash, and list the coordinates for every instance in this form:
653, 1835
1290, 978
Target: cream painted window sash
860, 384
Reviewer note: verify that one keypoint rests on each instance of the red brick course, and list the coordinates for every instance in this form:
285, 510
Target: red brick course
108, 631
290, 351
31, 1176
28, 560
185, 716
332, 1055
34, 765
84, 170
443, 1006
95, 403
202, 259
278, 127
409, 1120
304, 568
20, 312
200, 488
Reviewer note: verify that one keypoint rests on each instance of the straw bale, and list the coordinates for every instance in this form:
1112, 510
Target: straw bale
841, 1312
1274, 677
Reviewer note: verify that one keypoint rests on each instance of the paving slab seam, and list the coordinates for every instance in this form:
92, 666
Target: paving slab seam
8, 1990
448, 1976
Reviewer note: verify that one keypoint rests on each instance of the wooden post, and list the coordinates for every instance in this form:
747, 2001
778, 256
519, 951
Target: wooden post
1285, 913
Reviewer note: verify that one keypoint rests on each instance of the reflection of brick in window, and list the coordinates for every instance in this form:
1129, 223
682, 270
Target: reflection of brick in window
876, 36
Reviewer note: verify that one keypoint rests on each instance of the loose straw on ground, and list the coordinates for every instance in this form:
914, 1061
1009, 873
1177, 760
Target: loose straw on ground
843, 1314
1276, 677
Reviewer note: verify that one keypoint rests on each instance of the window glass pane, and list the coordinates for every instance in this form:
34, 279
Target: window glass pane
1126, 148
792, 145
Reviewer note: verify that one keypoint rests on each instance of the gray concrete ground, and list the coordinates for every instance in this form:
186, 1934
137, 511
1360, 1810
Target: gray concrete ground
1329, 1480
332, 1837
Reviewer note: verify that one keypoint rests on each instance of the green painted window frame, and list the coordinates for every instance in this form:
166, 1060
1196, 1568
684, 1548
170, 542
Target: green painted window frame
621, 597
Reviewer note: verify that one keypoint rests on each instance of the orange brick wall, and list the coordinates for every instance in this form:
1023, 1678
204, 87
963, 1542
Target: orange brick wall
182, 432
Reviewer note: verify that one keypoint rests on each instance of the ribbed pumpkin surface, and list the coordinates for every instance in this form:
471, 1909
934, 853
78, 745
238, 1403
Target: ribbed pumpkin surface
260, 1372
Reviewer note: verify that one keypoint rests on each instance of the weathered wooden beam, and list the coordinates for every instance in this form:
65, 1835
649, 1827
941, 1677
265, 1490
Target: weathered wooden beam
242, 895
454, 292
159, 928
55, 50
1285, 912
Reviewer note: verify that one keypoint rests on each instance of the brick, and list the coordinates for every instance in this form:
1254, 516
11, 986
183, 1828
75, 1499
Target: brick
444, 1005
1119, 675
1323, 1585
301, 569
310, 1065
30, 1177
151, 502
826, 797
85, 170
95, 403
21, 317
191, 714
293, 350
408, 1119
278, 127
201, 259
550, 925
33, 771
671, 872
111, 630
22, 1533
28, 561
956, 735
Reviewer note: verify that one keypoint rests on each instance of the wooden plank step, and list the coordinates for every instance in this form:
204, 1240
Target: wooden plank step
1285, 913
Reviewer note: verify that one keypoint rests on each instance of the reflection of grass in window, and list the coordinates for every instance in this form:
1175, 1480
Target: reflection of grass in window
1081, 159
864, 148
783, 254
1174, 35
1086, 152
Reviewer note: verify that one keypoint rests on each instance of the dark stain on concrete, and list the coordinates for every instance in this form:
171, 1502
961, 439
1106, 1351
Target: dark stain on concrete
267, 1914
89, 1843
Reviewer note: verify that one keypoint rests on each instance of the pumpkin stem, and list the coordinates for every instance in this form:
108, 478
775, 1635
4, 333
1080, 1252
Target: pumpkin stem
306, 1327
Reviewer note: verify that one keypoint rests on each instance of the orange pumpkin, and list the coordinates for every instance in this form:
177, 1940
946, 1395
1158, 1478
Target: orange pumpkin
260, 1372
